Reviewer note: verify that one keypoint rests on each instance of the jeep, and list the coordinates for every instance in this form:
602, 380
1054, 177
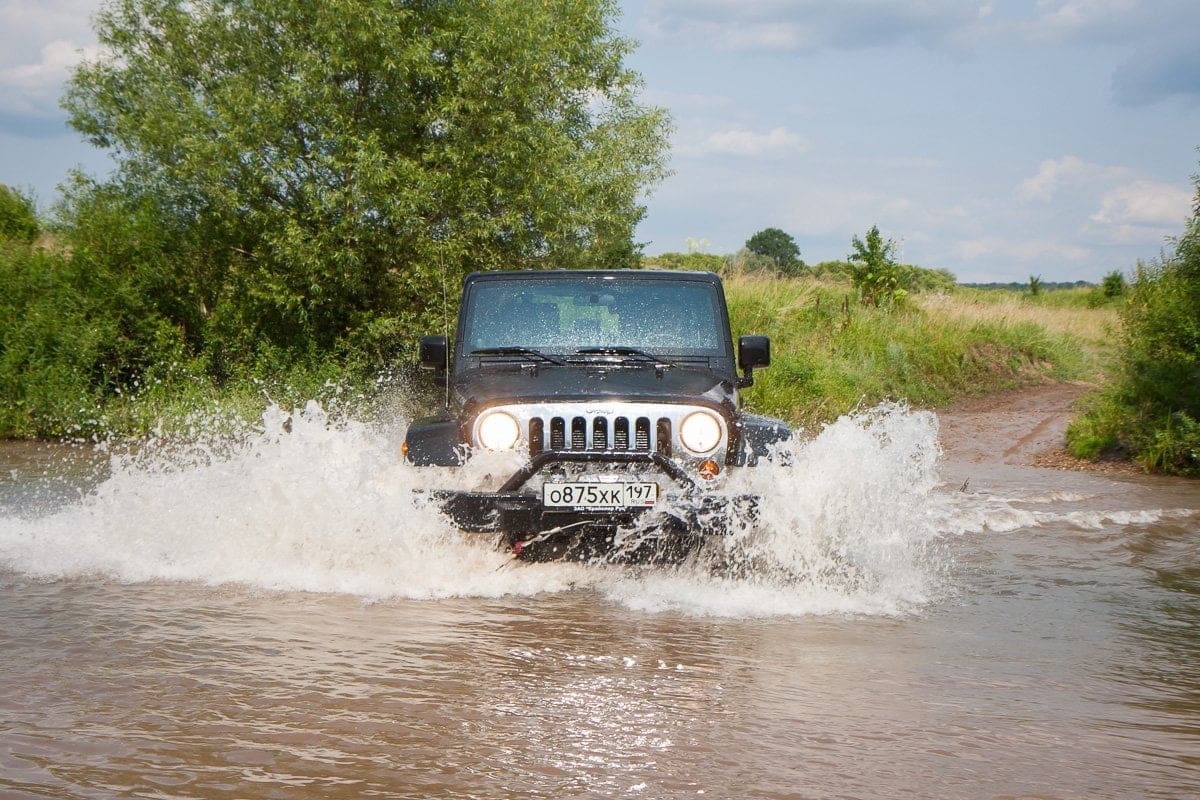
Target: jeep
617, 392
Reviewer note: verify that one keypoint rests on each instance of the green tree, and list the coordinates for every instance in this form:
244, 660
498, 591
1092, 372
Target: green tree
1035, 285
18, 217
778, 246
332, 166
873, 269
1113, 284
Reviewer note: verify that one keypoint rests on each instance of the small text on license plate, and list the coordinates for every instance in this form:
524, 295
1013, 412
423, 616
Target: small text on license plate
599, 495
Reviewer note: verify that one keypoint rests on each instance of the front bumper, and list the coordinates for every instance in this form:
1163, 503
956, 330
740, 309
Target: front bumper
680, 521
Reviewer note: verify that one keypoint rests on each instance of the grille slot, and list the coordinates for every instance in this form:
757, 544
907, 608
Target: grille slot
641, 435
663, 436
621, 434
537, 436
558, 434
599, 433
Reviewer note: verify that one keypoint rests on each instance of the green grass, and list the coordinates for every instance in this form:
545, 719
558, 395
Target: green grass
831, 354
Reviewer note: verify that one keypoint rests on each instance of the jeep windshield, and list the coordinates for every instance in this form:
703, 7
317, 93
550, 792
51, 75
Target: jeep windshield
595, 318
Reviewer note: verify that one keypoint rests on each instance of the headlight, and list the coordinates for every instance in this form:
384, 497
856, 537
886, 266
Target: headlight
498, 431
700, 432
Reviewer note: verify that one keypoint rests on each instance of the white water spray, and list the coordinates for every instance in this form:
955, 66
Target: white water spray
845, 526
310, 504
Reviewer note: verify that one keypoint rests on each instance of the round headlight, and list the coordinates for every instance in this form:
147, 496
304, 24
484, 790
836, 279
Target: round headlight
498, 431
700, 432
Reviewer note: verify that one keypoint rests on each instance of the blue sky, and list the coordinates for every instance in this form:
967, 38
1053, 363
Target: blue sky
996, 139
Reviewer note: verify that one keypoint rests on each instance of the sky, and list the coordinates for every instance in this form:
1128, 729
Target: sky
999, 140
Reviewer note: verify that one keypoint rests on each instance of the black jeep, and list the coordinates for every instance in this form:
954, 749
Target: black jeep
618, 389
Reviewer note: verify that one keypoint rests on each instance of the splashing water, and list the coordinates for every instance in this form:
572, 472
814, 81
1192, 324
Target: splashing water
847, 524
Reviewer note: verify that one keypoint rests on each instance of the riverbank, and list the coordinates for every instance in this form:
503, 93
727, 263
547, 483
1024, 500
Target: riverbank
832, 354
1020, 427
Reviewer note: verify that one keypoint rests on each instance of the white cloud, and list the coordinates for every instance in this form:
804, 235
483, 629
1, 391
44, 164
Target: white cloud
805, 25
1059, 19
1068, 172
743, 142
1023, 250
1145, 203
1110, 21
39, 43
1100, 204
34, 87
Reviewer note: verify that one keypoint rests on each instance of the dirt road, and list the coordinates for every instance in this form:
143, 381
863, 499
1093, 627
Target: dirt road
1023, 427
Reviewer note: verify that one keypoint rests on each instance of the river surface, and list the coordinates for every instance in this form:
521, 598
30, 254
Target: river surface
277, 618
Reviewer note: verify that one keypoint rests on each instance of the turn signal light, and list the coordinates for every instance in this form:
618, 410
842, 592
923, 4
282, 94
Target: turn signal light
709, 470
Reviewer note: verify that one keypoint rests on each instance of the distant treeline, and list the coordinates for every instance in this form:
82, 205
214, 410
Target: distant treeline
908, 277
1019, 286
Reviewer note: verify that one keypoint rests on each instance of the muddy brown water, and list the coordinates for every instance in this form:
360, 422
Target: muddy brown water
239, 625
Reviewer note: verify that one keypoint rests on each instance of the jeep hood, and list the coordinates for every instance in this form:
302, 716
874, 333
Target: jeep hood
548, 384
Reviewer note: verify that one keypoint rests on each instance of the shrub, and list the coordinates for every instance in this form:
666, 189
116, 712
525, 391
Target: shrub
18, 218
1152, 408
922, 279
747, 262
874, 271
1113, 285
702, 262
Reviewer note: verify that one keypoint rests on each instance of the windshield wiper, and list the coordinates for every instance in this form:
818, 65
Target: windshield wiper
517, 351
628, 352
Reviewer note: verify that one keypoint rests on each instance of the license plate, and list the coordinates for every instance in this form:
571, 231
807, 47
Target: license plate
599, 496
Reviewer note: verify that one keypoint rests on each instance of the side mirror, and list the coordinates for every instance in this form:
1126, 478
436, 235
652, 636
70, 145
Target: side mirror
435, 352
753, 352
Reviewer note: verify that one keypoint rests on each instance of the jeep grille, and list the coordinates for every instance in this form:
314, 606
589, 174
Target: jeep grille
584, 432
590, 427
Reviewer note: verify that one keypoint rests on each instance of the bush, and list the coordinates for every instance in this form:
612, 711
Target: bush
1152, 408
701, 262
1113, 285
922, 279
18, 217
747, 262
68, 340
874, 271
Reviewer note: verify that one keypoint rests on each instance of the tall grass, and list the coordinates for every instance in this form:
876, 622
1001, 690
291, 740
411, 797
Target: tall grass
832, 353
1063, 312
